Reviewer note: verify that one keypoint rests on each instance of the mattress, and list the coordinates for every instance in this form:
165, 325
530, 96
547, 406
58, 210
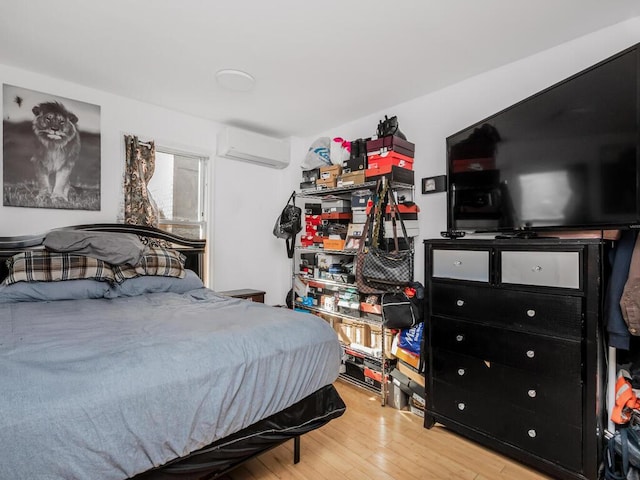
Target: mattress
109, 388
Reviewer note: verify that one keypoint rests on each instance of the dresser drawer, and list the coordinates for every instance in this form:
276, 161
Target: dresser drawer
557, 315
557, 397
461, 264
549, 269
497, 418
532, 353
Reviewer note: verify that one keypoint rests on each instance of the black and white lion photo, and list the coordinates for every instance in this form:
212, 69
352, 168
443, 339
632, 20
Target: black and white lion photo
51, 151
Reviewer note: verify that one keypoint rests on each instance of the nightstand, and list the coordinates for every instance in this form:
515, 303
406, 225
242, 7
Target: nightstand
246, 293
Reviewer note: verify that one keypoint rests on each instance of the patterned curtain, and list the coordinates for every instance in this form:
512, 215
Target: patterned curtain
139, 206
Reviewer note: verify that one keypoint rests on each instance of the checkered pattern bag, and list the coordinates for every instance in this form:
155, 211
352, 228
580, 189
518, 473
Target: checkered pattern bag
379, 270
388, 270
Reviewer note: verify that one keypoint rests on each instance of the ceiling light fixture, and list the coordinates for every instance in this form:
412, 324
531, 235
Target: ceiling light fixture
235, 80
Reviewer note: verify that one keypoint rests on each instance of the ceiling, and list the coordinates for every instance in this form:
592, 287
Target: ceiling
317, 65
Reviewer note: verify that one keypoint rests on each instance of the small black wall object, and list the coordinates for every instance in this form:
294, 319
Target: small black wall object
434, 184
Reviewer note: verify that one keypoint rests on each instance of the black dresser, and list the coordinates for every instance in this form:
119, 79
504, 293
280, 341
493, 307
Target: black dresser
514, 348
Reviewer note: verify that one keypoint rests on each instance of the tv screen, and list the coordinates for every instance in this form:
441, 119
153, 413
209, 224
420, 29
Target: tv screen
563, 159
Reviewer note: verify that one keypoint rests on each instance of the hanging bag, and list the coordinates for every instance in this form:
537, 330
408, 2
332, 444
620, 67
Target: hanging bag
401, 310
289, 223
368, 240
388, 270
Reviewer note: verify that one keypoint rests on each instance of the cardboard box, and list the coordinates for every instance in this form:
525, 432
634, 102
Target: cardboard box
336, 206
306, 241
312, 208
360, 198
391, 158
313, 219
376, 338
354, 164
337, 216
322, 184
329, 303
337, 326
411, 372
417, 405
340, 278
331, 244
358, 215
371, 373
369, 307
310, 175
330, 171
351, 178
396, 398
406, 211
393, 174
325, 260
390, 143
358, 333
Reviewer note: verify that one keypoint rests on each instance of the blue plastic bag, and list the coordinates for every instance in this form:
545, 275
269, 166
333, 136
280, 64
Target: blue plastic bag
410, 339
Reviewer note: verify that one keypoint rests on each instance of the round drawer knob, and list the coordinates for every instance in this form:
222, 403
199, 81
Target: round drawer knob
531, 353
459, 338
531, 313
459, 303
457, 263
537, 268
461, 371
461, 406
532, 393
532, 433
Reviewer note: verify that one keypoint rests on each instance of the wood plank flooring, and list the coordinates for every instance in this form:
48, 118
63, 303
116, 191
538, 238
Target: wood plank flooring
374, 442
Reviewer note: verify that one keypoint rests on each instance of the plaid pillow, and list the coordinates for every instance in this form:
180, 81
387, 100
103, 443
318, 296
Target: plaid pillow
155, 261
45, 266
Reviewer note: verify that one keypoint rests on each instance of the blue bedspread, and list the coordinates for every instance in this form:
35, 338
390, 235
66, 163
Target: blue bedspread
106, 389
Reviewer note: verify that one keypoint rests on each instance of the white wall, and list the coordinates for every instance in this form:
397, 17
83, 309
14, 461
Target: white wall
245, 199
428, 120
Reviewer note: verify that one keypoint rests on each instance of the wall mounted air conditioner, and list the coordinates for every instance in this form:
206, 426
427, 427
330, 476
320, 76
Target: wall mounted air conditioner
247, 146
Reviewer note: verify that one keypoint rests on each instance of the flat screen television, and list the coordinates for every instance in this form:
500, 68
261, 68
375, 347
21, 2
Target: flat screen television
565, 158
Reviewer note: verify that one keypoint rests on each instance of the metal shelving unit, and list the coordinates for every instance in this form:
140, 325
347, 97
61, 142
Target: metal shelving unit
341, 192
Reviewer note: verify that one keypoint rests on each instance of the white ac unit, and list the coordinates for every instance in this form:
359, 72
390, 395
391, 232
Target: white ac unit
253, 147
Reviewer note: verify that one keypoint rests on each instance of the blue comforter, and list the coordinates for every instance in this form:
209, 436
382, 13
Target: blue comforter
106, 389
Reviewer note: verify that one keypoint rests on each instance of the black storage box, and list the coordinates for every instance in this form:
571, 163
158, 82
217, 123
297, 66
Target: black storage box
355, 163
310, 175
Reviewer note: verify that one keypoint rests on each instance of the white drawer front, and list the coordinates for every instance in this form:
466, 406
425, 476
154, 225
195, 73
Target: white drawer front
550, 269
461, 264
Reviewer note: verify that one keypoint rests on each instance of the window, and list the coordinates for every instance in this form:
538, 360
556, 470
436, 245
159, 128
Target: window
178, 187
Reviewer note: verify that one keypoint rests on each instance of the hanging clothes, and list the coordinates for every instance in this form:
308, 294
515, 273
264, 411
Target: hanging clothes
620, 258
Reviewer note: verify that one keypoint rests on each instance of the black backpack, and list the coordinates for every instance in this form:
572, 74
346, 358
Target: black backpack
289, 223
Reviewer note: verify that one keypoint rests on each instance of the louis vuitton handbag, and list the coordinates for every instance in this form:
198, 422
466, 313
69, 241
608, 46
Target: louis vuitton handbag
377, 269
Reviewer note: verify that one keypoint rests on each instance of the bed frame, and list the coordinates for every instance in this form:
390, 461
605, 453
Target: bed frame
222, 456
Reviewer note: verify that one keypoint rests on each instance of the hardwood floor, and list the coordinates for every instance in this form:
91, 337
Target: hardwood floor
374, 442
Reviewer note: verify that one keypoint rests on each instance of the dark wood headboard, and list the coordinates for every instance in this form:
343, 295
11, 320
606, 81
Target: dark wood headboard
192, 249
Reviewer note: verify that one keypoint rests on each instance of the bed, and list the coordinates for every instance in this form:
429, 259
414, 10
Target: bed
150, 376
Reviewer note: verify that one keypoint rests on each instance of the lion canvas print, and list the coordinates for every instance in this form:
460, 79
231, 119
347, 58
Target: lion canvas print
51, 151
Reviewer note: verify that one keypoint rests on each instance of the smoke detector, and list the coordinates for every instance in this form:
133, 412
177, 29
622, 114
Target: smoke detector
235, 80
